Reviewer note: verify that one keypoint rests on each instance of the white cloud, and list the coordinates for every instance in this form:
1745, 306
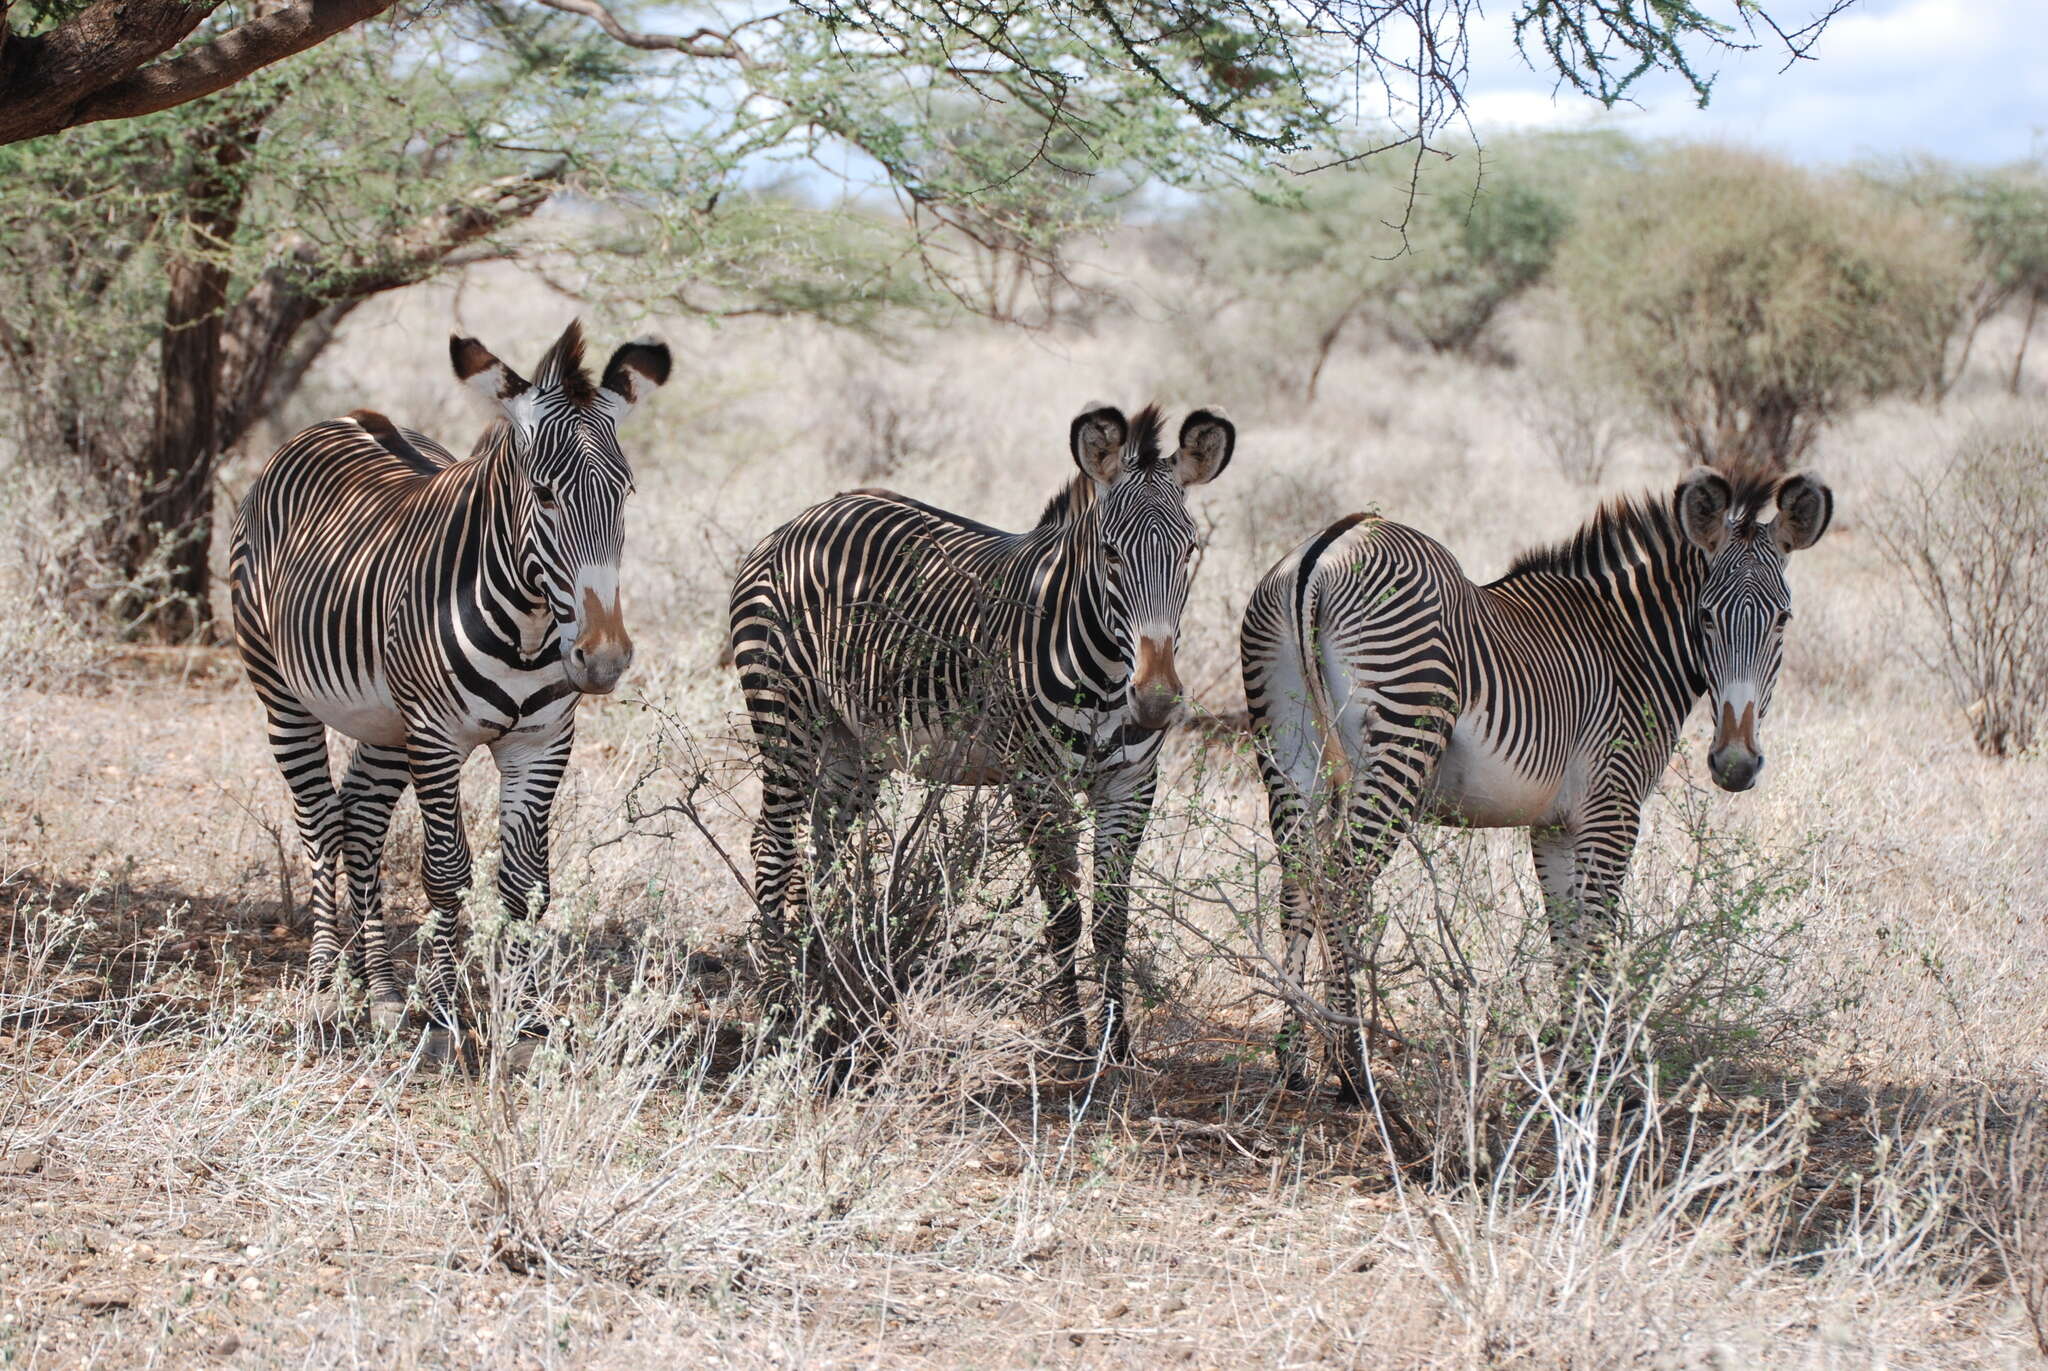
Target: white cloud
1959, 78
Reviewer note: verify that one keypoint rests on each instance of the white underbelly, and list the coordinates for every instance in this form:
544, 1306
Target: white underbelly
930, 755
1476, 786
371, 716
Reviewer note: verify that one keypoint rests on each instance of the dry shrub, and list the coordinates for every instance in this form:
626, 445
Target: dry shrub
1746, 332
2007, 1205
1579, 419
1467, 1013
1972, 542
883, 427
910, 898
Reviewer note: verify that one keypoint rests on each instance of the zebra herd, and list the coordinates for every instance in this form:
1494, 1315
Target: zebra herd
425, 606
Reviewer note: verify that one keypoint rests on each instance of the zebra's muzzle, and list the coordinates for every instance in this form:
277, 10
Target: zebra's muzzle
1735, 760
602, 649
1155, 694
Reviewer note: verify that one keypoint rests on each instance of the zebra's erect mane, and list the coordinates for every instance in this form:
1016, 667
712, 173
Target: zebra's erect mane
1141, 451
1628, 529
563, 367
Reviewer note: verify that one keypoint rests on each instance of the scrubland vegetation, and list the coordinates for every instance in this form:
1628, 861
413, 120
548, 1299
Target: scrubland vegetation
1812, 1135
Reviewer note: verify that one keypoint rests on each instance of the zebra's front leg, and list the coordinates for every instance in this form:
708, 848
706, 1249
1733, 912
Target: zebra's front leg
1054, 848
376, 778
530, 770
1601, 850
436, 766
1123, 808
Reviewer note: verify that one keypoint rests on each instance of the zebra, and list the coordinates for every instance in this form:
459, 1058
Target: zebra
1385, 687
876, 634
424, 606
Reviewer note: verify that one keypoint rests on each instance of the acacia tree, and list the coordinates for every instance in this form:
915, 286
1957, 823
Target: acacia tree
168, 275
1748, 303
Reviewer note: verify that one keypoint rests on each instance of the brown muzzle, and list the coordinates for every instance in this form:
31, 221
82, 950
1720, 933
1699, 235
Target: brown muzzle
602, 650
1155, 686
1735, 759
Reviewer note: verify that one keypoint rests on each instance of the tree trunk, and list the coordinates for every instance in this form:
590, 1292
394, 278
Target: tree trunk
2019, 359
164, 558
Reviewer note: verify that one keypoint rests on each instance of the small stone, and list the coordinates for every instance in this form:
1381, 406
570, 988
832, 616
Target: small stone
104, 1301
21, 1161
227, 1346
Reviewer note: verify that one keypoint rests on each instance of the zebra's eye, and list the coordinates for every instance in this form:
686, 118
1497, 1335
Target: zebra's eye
545, 495
1114, 558
1784, 617
1706, 618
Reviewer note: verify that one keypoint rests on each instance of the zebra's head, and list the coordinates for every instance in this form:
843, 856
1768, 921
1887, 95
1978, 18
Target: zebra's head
1145, 540
572, 487
1745, 603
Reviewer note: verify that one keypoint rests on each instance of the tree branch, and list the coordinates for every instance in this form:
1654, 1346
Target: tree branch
702, 43
92, 67
262, 347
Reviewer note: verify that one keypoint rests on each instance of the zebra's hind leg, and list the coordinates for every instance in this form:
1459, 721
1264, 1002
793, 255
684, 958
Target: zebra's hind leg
1392, 738
298, 742
1300, 784
436, 767
779, 893
1054, 848
370, 790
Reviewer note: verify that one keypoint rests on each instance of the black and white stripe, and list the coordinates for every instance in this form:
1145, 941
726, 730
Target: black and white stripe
874, 633
424, 607
1384, 685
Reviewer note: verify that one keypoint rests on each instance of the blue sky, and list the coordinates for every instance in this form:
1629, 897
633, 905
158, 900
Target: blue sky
1964, 79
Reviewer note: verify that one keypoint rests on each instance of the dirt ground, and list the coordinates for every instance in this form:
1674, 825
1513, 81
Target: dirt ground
189, 1173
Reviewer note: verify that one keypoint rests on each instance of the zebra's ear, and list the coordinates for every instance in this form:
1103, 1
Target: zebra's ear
1206, 441
1097, 439
1703, 499
1805, 507
477, 368
636, 369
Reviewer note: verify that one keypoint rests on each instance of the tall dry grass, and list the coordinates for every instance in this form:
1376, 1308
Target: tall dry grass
1807, 1143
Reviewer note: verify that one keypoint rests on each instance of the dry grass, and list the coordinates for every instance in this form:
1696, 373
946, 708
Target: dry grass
184, 1174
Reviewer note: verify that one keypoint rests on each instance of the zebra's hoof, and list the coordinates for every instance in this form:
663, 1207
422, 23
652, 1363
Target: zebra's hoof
322, 1012
442, 1047
518, 1059
387, 1017
1294, 1078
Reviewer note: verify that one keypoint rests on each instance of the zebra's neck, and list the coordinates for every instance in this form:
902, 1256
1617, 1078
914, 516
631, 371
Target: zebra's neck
507, 589
1633, 560
1087, 631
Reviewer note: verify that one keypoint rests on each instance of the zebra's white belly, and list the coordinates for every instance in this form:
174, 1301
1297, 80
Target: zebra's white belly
1475, 785
930, 755
369, 715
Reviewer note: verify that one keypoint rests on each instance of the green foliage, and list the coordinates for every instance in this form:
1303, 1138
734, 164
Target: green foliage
1747, 302
2002, 214
1424, 255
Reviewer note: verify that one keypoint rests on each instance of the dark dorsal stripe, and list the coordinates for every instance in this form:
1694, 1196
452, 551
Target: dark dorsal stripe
392, 441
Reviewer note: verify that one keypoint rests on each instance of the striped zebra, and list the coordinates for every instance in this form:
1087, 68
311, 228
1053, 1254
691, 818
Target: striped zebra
423, 607
1385, 686
876, 634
